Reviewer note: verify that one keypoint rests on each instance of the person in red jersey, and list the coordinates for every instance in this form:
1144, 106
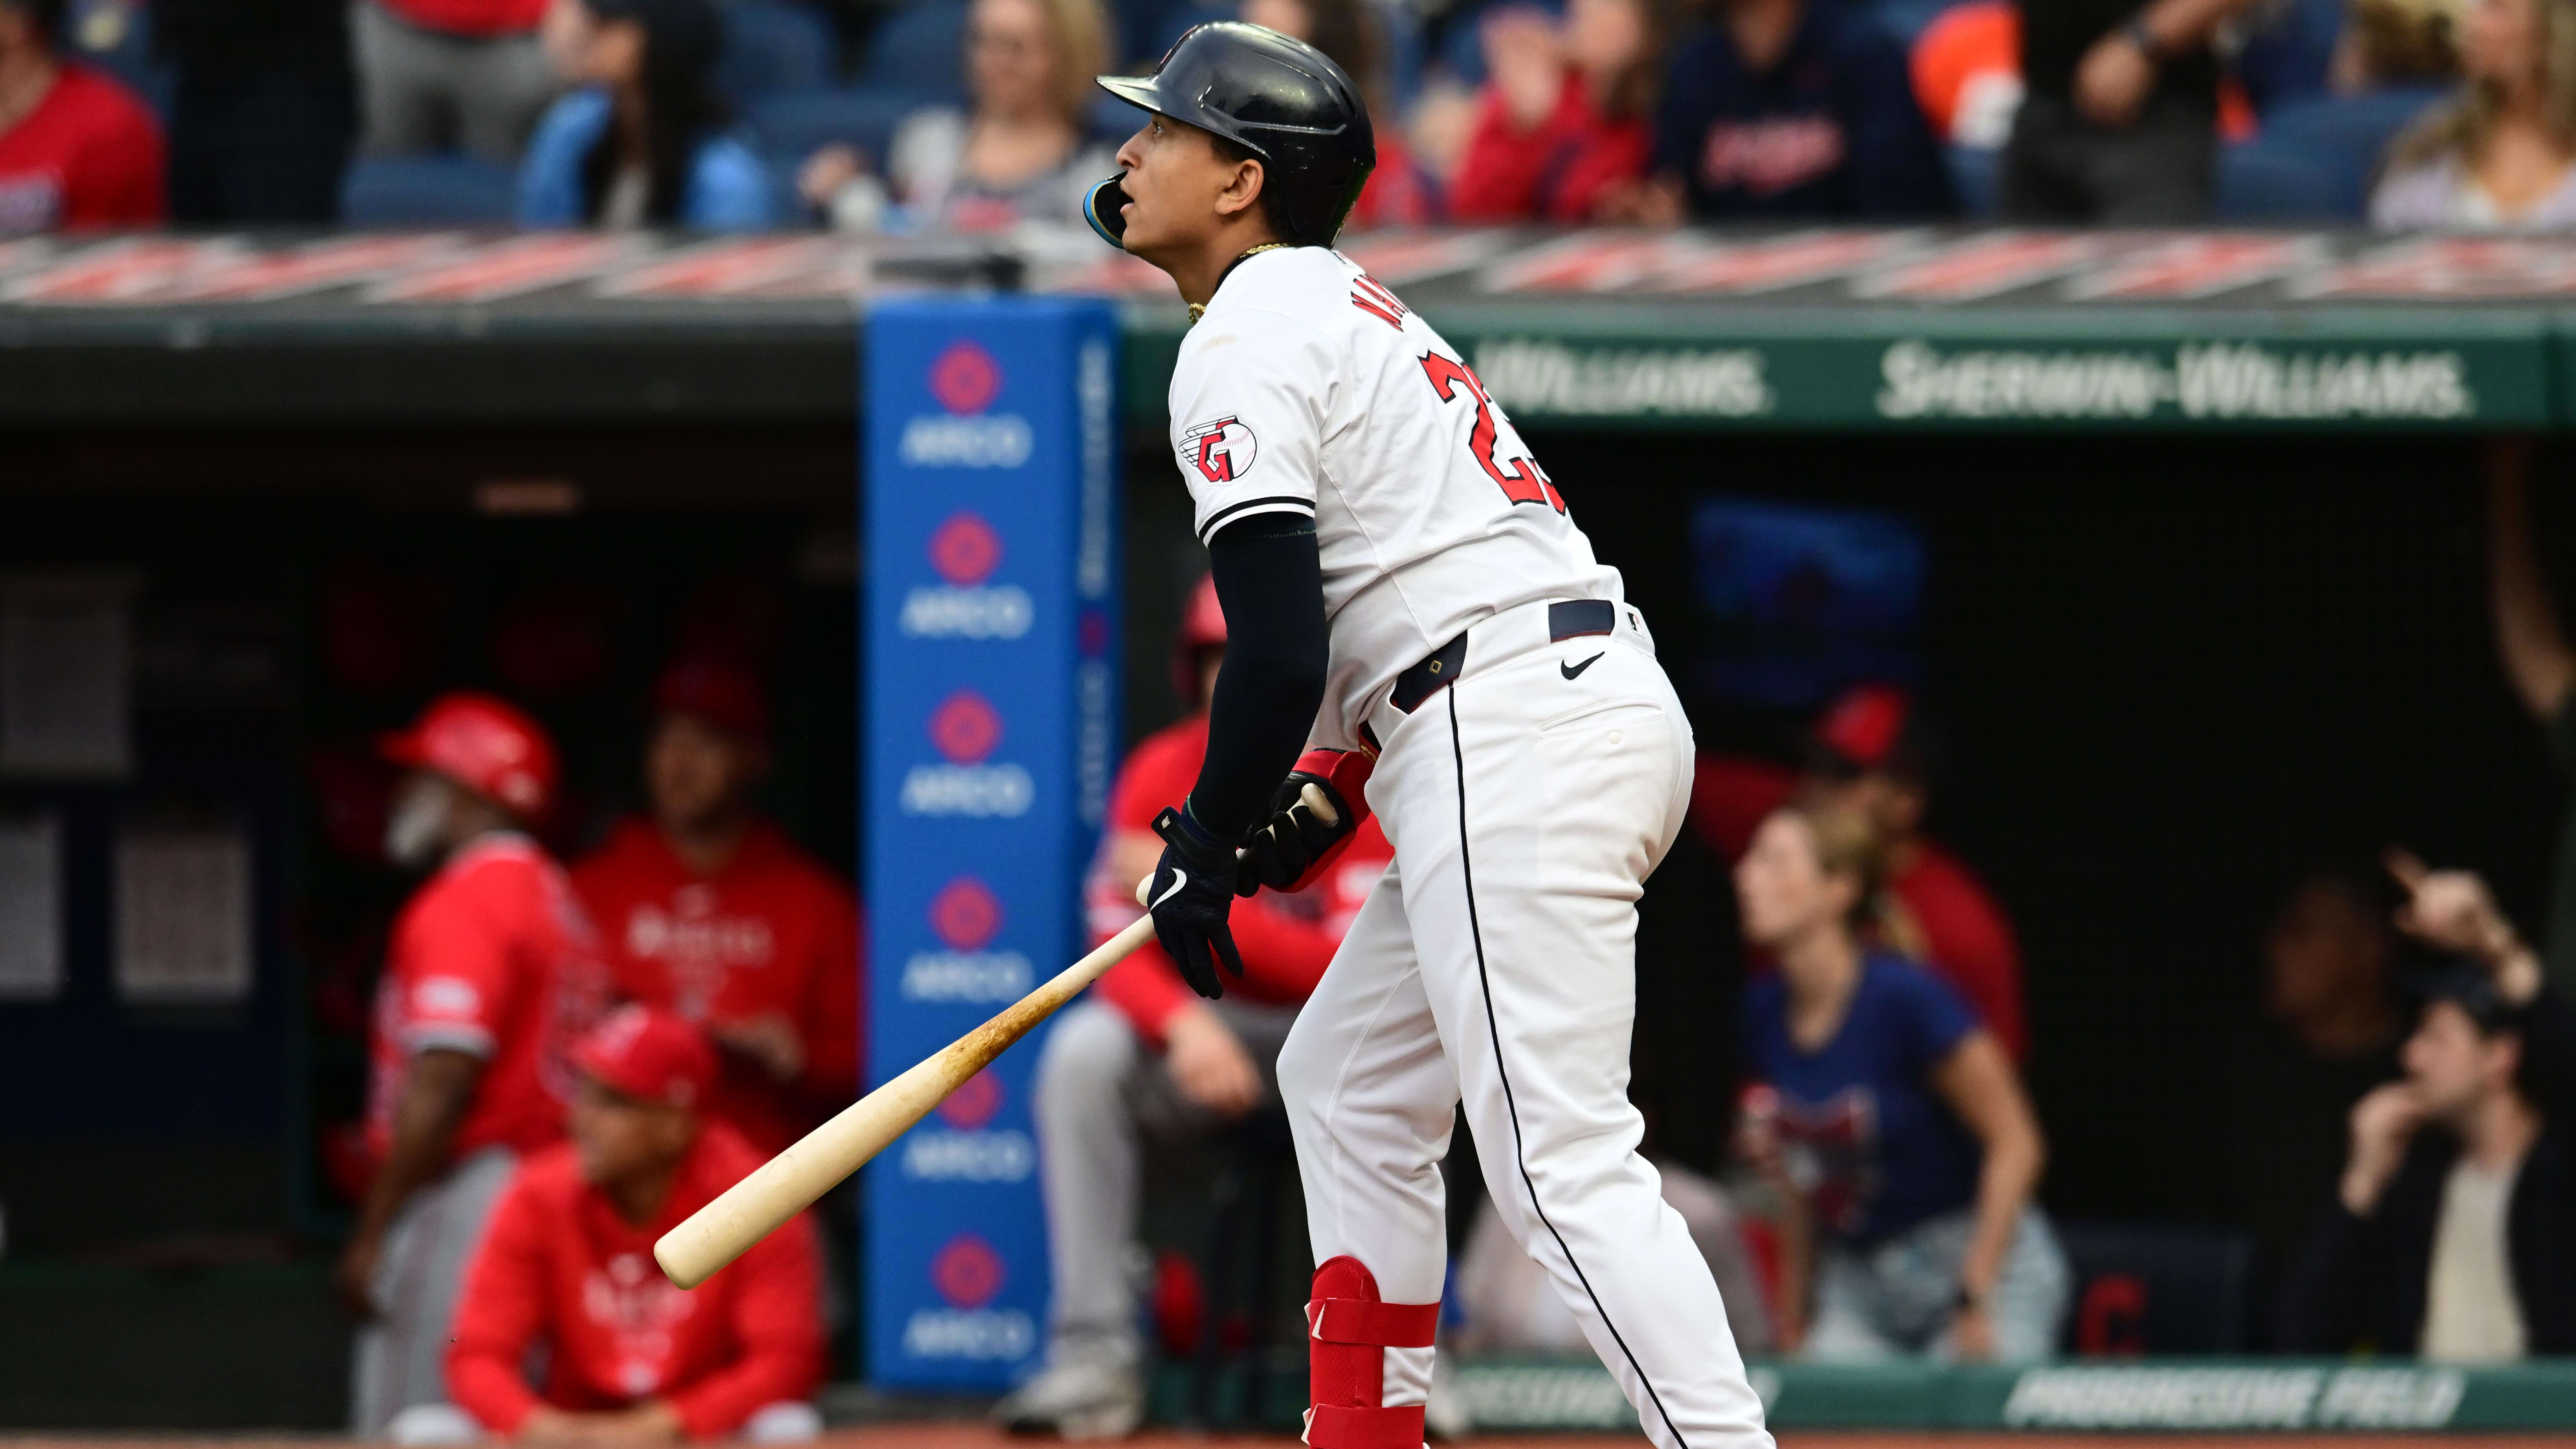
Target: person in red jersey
709, 911
491, 970
1146, 1056
1867, 756
1561, 130
77, 150
568, 1264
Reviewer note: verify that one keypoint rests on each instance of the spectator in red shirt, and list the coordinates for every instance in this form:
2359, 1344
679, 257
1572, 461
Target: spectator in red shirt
491, 970
447, 75
1148, 1056
707, 910
1867, 756
1397, 193
1562, 132
568, 1263
77, 150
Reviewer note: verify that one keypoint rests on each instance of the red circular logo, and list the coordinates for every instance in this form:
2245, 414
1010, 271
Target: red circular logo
966, 913
967, 1272
965, 727
965, 379
965, 549
973, 1105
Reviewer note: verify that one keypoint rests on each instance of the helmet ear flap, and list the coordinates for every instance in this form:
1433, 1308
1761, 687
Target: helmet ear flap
1101, 207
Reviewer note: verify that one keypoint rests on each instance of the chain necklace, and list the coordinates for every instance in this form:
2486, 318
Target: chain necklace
1199, 309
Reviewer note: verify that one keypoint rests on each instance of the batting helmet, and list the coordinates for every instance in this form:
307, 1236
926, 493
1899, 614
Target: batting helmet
485, 744
1202, 628
1280, 99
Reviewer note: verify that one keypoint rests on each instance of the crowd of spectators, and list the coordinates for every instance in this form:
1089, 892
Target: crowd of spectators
978, 115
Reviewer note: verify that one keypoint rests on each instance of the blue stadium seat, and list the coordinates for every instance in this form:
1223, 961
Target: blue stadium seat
772, 47
922, 47
2315, 158
2287, 52
1973, 173
427, 191
793, 126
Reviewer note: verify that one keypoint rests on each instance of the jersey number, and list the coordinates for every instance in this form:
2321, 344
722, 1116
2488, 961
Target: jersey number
1521, 481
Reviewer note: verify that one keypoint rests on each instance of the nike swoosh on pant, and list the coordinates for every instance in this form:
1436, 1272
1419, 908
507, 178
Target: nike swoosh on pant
1572, 670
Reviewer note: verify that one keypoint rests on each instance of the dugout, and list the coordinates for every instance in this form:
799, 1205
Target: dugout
2202, 608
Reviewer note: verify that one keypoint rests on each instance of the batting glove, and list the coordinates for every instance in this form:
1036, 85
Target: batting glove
1192, 892
1318, 809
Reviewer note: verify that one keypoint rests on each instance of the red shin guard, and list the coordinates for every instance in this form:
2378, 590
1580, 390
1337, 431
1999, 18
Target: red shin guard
1348, 1331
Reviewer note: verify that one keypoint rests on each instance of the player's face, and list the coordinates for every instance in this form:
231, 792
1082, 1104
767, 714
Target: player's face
619, 1138
696, 773
1782, 889
1175, 183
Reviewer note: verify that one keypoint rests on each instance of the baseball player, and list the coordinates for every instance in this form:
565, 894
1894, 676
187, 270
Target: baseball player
490, 971
1404, 590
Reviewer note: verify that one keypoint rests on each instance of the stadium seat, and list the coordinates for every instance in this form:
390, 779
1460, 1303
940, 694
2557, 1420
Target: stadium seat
2315, 158
427, 191
922, 47
2149, 1289
790, 127
772, 47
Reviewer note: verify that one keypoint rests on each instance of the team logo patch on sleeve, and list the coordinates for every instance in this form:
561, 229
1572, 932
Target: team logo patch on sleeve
1222, 450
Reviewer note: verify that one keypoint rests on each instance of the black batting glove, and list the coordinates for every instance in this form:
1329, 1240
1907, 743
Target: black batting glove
1300, 829
1192, 892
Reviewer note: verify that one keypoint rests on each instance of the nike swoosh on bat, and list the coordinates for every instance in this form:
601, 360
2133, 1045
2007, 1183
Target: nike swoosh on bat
1571, 670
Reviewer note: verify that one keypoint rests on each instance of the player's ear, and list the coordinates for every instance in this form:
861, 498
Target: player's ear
1242, 190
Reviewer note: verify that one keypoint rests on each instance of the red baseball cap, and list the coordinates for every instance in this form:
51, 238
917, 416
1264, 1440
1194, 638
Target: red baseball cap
485, 744
723, 694
650, 1055
1202, 627
1864, 727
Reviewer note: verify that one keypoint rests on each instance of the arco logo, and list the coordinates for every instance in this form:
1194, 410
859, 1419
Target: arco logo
967, 1272
965, 378
966, 914
974, 1104
966, 727
965, 549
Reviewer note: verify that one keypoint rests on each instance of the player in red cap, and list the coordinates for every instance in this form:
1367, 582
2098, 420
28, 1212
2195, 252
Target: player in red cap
1148, 1057
490, 970
568, 1264
709, 911
1868, 755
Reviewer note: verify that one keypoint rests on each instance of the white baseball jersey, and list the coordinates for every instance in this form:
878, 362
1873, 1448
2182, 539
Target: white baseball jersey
1308, 388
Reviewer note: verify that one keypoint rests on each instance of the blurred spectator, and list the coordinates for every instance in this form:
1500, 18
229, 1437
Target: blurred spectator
2327, 1034
2503, 154
1349, 34
76, 148
2541, 669
1147, 1057
643, 142
2119, 125
1783, 108
1021, 155
446, 75
707, 910
1509, 1304
1561, 134
491, 968
1871, 752
262, 110
2456, 1243
567, 1270
1894, 1120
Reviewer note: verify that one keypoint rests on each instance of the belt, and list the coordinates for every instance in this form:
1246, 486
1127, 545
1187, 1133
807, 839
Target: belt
1566, 619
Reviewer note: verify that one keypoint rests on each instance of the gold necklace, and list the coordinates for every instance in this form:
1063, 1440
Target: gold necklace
1199, 309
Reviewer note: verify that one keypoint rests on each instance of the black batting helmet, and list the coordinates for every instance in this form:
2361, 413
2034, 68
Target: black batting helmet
1280, 99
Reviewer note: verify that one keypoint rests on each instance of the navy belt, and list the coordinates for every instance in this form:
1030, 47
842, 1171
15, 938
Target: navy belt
1570, 619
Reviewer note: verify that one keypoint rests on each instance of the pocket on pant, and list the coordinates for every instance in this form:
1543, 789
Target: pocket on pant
1601, 714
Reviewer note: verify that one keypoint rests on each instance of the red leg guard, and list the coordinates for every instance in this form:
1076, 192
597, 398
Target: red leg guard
1348, 1331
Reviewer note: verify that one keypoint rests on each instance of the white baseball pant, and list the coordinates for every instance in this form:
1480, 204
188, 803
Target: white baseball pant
1495, 965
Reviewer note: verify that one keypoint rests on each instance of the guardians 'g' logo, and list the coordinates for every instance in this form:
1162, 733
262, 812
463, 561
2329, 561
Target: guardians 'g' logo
1222, 450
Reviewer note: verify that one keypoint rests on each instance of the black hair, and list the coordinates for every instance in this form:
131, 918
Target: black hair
681, 41
1273, 198
48, 15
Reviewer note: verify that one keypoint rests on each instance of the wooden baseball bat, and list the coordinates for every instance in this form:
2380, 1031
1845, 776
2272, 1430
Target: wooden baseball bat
787, 1184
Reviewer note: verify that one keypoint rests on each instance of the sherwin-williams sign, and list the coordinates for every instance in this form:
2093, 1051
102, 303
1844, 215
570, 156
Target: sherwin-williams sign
989, 490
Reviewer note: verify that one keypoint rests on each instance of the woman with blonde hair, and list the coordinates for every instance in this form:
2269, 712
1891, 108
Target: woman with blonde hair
1020, 155
2503, 154
1889, 1118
